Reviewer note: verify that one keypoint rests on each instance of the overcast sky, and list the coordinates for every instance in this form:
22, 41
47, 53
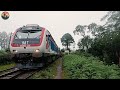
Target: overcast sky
57, 22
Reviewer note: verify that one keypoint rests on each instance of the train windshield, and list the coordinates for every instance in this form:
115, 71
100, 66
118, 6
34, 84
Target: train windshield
27, 37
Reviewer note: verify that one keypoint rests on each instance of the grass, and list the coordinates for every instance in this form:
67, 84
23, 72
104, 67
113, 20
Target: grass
48, 73
7, 66
82, 67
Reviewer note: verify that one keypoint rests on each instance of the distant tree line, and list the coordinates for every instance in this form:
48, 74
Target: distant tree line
5, 40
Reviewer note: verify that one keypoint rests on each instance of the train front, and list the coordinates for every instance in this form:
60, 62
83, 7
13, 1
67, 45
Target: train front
25, 45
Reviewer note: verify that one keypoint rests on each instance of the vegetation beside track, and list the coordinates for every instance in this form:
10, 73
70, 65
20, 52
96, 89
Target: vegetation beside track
88, 67
5, 61
4, 57
48, 72
7, 66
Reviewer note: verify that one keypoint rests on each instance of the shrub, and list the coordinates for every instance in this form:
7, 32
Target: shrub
4, 57
82, 67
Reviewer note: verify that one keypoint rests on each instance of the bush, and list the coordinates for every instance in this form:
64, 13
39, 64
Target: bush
4, 57
81, 67
83, 53
7, 50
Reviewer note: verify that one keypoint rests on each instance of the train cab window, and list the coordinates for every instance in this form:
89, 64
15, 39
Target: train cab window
20, 35
35, 34
28, 34
31, 36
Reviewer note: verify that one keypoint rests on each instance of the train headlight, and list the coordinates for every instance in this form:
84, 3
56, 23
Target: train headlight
15, 51
37, 50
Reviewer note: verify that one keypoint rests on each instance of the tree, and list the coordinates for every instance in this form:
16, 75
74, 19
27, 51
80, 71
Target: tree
113, 25
0, 39
80, 30
8, 40
85, 42
113, 19
106, 40
93, 28
3, 39
66, 40
80, 45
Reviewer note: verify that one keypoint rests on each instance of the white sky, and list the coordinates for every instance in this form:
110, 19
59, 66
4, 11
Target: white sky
57, 22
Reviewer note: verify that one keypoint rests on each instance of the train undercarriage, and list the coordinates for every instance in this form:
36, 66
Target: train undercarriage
27, 61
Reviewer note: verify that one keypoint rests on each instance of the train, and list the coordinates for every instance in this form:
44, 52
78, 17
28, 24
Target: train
32, 46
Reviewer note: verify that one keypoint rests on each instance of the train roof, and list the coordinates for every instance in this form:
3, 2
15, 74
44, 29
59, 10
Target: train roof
31, 27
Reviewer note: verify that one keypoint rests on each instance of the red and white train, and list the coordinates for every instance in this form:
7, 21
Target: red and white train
32, 46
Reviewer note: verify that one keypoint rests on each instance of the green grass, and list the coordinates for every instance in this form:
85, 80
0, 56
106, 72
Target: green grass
7, 66
81, 67
47, 73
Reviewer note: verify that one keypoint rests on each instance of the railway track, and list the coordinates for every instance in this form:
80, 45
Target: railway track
26, 75
15, 73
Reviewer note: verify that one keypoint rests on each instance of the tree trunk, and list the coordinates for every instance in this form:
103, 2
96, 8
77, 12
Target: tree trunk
83, 47
118, 55
67, 46
119, 61
87, 47
119, 58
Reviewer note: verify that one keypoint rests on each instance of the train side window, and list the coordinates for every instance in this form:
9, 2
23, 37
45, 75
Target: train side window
49, 35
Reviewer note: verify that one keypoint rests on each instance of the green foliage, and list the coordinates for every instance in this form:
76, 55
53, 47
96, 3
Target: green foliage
85, 42
93, 27
6, 66
80, 30
106, 42
7, 50
107, 45
62, 50
4, 57
113, 19
81, 67
47, 73
44, 74
82, 52
67, 39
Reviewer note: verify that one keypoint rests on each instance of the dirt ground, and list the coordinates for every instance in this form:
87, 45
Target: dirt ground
59, 70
